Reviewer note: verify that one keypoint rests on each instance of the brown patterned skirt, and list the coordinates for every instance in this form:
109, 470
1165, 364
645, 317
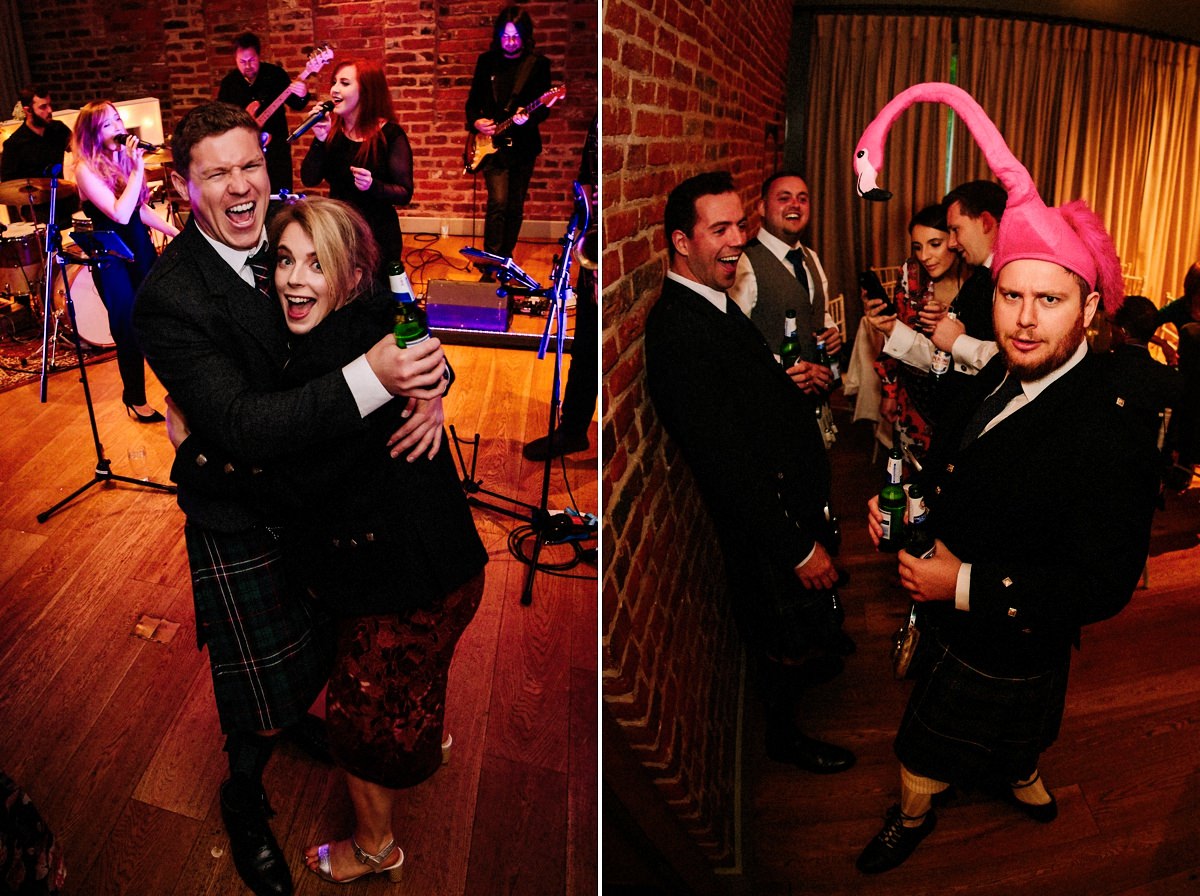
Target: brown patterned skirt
387, 694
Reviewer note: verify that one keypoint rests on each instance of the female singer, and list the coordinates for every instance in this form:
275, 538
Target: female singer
930, 286
111, 177
363, 154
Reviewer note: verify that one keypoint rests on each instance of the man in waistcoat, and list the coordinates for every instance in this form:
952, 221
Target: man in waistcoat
777, 274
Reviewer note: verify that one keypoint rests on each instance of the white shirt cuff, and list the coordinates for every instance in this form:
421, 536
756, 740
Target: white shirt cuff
962, 588
972, 354
369, 394
808, 557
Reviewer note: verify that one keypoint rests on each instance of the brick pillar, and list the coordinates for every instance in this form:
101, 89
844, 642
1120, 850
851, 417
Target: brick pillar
687, 88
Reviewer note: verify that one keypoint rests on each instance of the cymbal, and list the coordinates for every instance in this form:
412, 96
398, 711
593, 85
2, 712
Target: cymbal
32, 190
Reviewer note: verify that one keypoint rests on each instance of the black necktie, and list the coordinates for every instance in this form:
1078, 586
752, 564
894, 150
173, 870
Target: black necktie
796, 257
992, 405
258, 264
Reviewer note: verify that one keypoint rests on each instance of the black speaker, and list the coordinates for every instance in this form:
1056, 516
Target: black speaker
467, 305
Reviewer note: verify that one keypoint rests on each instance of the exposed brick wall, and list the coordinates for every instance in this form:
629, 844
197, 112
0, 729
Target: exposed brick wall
178, 51
687, 88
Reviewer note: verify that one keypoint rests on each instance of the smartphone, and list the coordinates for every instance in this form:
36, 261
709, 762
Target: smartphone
869, 281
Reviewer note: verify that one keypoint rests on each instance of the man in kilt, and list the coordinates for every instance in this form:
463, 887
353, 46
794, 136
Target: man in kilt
1041, 486
214, 337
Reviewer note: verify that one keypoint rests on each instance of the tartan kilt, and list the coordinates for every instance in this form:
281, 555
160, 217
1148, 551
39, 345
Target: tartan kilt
270, 645
965, 726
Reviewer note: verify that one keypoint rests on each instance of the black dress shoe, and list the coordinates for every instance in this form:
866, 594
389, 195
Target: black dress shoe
1043, 813
256, 853
562, 442
309, 735
808, 754
894, 844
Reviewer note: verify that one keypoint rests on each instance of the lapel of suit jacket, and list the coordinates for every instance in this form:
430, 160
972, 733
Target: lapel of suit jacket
753, 347
257, 315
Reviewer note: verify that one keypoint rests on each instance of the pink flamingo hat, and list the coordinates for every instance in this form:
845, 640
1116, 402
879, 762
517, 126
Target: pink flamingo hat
1071, 235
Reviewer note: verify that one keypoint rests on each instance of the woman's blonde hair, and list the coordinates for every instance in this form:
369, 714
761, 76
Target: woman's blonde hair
342, 239
88, 146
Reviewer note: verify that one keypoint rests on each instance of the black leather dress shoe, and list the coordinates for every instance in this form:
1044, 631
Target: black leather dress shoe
1043, 813
895, 843
562, 442
808, 754
256, 853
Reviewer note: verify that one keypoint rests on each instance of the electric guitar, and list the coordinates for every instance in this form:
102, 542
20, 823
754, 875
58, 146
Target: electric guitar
480, 146
317, 60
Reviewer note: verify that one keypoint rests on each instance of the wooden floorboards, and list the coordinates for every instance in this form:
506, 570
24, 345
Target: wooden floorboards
116, 738
1125, 770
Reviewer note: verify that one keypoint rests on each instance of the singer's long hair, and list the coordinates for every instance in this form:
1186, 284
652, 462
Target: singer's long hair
88, 147
375, 108
344, 243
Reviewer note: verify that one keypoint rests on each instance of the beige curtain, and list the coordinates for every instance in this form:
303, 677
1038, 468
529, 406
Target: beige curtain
1094, 114
1101, 115
858, 64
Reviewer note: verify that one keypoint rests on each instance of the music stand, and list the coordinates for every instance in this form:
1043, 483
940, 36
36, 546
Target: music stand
540, 520
97, 246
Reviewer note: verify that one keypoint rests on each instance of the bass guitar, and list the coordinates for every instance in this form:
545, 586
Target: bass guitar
480, 146
317, 60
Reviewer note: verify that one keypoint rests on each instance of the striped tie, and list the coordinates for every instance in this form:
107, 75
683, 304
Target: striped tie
258, 264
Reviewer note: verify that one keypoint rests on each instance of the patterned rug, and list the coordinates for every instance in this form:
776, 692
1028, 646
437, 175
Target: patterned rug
21, 356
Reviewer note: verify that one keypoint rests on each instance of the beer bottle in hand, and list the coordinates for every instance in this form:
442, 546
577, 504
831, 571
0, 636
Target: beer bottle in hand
411, 324
942, 360
892, 501
918, 540
789, 349
823, 357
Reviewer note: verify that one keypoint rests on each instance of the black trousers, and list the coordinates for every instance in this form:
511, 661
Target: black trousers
507, 185
579, 396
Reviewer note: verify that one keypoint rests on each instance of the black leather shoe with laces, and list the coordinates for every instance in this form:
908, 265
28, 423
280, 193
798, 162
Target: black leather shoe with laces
809, 754
256, 853
895, 843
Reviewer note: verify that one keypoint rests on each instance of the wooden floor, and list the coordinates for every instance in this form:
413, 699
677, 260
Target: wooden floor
116, 738
1125, 770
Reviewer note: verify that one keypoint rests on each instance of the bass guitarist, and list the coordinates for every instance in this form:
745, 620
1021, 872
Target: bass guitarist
508, 77
255, 81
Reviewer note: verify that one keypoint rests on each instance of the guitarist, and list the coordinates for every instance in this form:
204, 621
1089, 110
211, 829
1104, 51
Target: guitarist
507, 77
255, 81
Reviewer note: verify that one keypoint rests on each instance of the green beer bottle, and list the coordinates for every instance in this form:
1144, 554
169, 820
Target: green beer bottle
411, 324
823, 357
789, 349
918, 539
892, 501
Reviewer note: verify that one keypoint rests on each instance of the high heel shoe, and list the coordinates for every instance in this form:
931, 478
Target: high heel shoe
152, 417
374, 863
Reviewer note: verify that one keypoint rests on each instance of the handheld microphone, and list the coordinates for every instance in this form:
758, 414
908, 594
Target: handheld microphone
317, 114
141, 144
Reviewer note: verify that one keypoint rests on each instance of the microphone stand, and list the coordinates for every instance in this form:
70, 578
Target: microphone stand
56, 261
538, 517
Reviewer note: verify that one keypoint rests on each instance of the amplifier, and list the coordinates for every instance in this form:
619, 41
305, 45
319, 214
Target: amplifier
467, 305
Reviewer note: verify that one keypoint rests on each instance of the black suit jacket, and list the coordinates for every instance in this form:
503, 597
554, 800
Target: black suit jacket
1052, 507
216, 345
366, 532
748, 433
